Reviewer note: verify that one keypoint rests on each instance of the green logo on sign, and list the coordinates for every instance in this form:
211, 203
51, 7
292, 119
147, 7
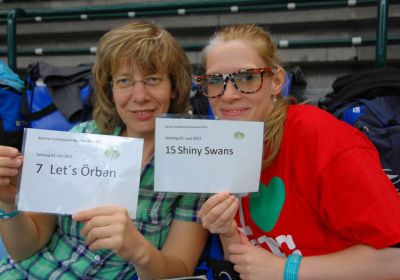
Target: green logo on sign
239, 135
111, 153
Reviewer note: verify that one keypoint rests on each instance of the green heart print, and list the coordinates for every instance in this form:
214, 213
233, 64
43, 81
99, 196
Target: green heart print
266, 205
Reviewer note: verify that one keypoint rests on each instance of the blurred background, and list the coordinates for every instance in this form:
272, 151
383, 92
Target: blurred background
326, 39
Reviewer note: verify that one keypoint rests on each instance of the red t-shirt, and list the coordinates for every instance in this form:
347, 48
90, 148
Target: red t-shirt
324, 192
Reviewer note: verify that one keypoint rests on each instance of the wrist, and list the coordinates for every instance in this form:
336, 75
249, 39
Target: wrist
7, 207
229, 234
292, 267
6, 215
141, 255
232, 232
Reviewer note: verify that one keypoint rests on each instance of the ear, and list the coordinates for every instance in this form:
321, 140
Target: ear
278, 79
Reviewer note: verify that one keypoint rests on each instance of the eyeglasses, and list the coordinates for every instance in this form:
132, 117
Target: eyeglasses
245, 81
124, 84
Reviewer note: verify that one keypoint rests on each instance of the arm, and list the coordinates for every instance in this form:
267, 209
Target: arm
179, 255
110, 227
26, 233
356, 262
217, 215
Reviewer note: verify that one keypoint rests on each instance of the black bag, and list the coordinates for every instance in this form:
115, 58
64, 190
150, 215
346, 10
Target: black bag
370, 101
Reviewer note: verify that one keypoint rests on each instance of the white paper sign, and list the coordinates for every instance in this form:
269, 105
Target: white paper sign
65, 172
207, 156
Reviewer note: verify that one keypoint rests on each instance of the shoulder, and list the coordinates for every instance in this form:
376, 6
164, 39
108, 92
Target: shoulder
314, 138
309, 124
310, 116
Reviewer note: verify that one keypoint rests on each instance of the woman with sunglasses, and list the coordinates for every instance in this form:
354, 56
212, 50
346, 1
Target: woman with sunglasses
324, 209
139, 73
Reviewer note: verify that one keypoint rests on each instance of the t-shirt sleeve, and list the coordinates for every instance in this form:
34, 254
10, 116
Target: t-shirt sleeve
188, 206
357, 200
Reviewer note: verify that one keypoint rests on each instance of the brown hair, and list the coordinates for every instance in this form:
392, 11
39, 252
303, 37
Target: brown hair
262, 42
152, 49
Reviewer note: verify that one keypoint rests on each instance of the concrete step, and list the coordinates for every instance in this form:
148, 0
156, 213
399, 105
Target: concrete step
321, 65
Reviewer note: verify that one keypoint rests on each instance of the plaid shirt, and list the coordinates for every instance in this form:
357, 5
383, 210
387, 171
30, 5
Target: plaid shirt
66, 256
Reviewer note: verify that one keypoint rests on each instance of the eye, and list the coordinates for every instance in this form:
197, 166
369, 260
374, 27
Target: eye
123, 82
215, 80
247, 76
153, 81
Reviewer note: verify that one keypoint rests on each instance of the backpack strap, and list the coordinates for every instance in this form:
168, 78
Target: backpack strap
32, 116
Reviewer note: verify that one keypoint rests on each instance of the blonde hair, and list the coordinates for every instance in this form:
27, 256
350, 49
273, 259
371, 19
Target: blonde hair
262, 42
153, 50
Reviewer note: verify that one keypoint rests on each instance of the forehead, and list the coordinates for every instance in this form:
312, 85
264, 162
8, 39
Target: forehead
231, 56
131, 66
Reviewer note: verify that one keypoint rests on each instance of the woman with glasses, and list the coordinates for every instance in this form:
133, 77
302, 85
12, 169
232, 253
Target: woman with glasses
140, 72
324, 209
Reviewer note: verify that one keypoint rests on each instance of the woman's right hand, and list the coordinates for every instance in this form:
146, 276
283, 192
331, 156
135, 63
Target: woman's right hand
23, 235
218, 212
10, 162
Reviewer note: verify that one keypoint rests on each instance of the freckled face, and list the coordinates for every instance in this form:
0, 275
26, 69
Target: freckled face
139, 105
232, 56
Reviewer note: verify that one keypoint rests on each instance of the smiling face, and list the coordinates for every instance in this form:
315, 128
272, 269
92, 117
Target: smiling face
138, 105
225, 57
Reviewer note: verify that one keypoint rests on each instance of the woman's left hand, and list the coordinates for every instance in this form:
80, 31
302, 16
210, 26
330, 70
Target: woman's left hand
255, 263
110, 227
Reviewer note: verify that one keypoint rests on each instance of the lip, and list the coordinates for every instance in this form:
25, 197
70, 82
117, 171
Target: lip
143, 115
233, 111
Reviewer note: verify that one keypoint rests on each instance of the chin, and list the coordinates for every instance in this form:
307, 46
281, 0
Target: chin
141, 131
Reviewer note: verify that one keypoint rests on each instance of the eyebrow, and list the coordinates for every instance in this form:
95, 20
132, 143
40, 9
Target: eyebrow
121, 74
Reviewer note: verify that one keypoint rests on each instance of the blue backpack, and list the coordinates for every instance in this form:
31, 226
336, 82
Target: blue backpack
12, 122
370, 101
57, 98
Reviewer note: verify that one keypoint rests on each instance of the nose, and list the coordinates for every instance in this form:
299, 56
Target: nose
139, 93
230, 93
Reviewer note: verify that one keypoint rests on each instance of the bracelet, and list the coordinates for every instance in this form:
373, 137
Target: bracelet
292, 267
6, 216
